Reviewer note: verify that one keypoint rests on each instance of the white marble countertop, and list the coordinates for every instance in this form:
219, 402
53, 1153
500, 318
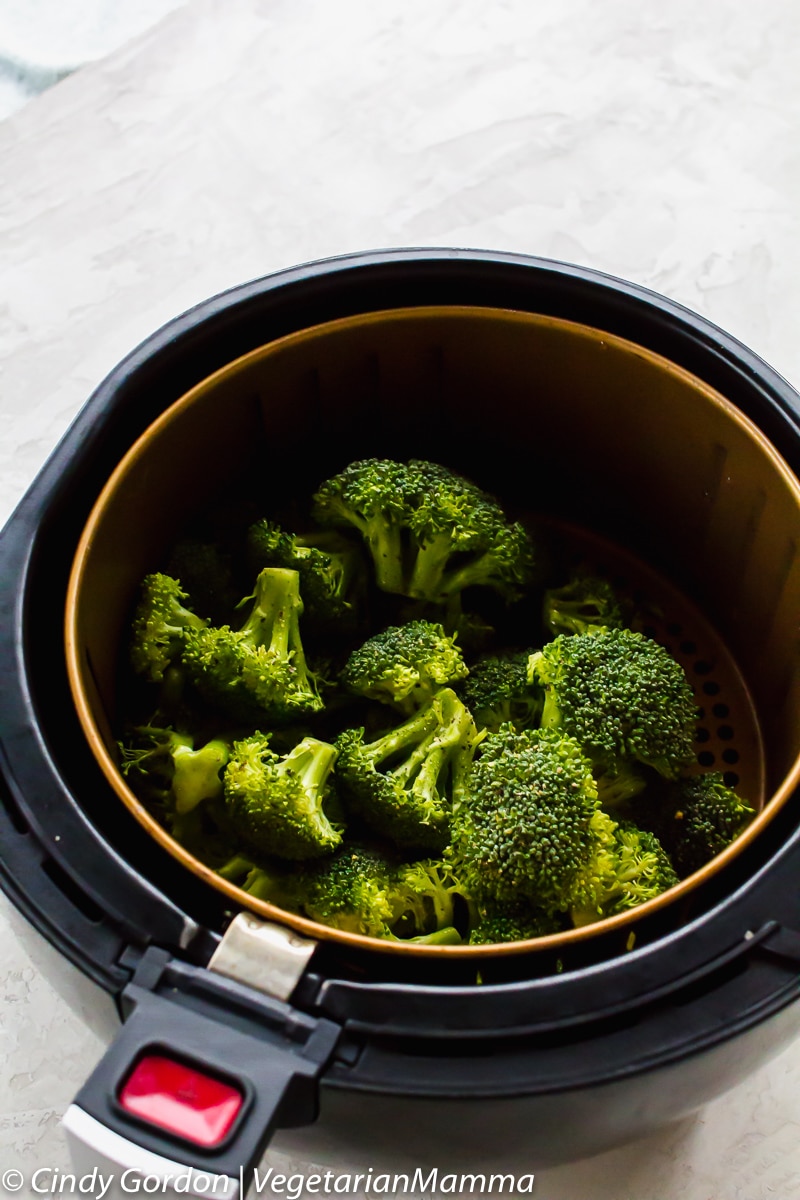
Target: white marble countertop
241, 136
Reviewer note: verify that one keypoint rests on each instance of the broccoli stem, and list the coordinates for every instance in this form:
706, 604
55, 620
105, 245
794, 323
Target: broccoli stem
384, 540
429, 567
481, 571
197, 774
311, 760
276, 608
417, 729
441, 937
274, 620
551, 713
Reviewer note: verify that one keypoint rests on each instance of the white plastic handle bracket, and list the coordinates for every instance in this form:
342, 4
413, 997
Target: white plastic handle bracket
263, 955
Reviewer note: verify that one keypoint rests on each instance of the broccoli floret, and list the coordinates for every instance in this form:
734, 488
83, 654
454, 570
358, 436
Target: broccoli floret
433, 890
497, 692
402, 784
276, 804
206, 573
353, 890
260, 670
330, 569
360, 891
583, 605
522, 826
160, 624
629, 867
513, 922
621, 695
404, 665
430, 533
165, 763
696, 819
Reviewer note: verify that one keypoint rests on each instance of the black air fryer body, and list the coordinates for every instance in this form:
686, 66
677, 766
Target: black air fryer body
545, 1059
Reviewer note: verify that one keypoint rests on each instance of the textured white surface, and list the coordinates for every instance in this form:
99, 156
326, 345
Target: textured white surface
41, 41
658, 143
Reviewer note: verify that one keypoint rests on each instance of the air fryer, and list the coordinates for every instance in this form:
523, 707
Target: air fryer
634, 428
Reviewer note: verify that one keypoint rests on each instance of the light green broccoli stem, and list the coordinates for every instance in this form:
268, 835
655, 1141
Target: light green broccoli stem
197, 774
482, 571
236, 868
440, 937
537, 675
274, 620
311, 761
429, 566
276, 608
384, 540
462, 761
410, 732
443, 747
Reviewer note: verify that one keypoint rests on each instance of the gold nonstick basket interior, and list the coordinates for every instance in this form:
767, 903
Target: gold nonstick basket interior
633, 465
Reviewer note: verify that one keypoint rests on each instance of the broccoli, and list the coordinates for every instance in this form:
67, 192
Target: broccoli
513, 922
621, 695
522, 827
696, 819
206, 573
330, 569
352, 890
404, 665
402, 784
204, 832
260, 670
167, 764
497, 692
360, 891
629, 867
160, 624
581, 606
430, 533
433, 894
618, 784
276, 804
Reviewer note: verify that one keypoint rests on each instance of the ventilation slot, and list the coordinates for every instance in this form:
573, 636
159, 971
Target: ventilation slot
70, 890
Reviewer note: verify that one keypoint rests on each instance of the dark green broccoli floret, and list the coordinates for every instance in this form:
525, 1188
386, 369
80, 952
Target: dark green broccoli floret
276, 804
497, 692
404, 665
206, 573
165, 763
522, 827
160, 624
260, 670
352, 890
513, 922
621, 695
430, 532
360, 891
629, 867
402, 784
331, 570
696, 819
583, 605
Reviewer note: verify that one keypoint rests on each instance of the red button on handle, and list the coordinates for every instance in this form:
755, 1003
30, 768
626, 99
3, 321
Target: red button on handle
181, 1100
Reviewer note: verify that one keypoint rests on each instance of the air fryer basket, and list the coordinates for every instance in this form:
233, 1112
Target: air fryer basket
636, 466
